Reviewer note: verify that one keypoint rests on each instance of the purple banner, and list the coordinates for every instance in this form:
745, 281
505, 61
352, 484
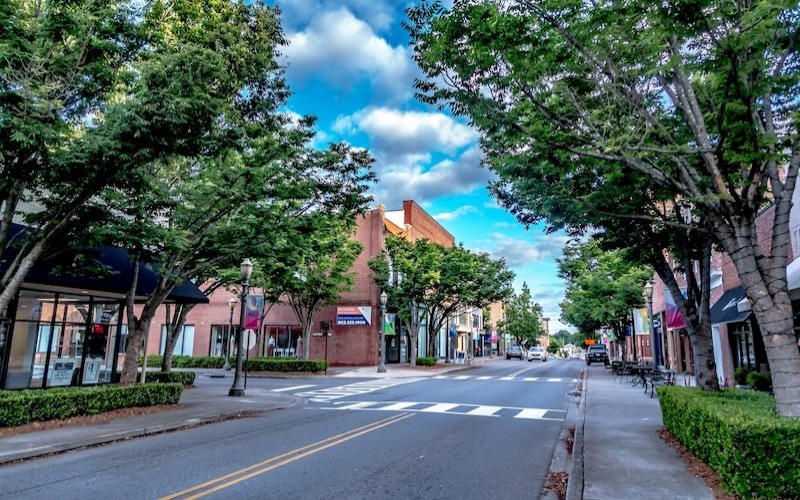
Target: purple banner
252, 314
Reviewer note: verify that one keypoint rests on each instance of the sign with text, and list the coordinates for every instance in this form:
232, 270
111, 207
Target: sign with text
353, 315
61, 374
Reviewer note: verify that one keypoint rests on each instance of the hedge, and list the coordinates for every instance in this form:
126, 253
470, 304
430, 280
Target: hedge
283, 365
189, 361
183, 378
22, 407
426, 361
740, 435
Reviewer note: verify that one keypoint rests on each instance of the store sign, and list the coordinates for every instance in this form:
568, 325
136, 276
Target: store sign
353, 315
91, 371
61, 374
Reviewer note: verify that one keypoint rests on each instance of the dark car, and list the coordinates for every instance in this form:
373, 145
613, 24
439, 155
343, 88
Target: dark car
514, 351
596, 353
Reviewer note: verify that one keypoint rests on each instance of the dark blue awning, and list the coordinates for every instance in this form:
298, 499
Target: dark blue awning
104, 269
726, 309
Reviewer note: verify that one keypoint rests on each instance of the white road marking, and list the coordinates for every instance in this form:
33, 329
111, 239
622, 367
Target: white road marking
331, 393
532, 413
445, 408
485, 378
293, 388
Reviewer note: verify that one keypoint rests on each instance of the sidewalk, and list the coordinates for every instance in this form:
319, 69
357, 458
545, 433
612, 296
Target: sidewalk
202, 404
617, 451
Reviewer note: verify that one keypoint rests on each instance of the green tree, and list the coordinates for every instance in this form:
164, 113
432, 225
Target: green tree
697, 98
523, 319
437, 282
325, 271
601, 287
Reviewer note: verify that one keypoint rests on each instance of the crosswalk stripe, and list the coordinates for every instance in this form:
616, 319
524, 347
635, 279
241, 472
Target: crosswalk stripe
356, 406
533, 413
485, 411
292, 388
554, 380
531, 379
398, 406
485, 378
439, 408
463, 377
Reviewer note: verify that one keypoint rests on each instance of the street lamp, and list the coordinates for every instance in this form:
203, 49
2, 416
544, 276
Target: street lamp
382, 344
246, 269
227, 340
656, 339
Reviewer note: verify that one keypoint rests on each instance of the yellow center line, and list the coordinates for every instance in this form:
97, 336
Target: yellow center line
222, 481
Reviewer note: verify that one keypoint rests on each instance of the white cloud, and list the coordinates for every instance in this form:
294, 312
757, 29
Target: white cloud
376, 13
410, 182
446, 216
502, 224
342, 49
520, 253
396, 134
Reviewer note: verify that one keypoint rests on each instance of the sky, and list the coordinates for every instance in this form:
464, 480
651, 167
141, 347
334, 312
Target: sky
349, 64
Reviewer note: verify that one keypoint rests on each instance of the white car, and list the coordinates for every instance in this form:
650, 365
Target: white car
537, 353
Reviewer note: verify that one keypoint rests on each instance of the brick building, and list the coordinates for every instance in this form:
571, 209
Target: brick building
207, 326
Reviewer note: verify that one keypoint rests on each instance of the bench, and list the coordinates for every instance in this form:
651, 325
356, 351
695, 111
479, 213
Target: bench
658, 378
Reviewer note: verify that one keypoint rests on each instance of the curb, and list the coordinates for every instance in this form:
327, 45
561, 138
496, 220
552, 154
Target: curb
575, 481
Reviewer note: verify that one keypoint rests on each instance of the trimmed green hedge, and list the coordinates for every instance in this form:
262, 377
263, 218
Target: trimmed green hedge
183, 378
426, 361
22, 407
740, 435
283, 365
189, 361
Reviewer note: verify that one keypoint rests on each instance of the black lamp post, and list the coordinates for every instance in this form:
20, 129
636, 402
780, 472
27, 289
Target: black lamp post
382, 342
226, 344
237, 389
656, 339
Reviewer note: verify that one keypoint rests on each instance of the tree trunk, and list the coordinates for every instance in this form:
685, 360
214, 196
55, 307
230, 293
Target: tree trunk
174, 327
133, 350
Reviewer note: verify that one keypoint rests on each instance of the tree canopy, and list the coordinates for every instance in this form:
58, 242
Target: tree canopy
696, 98
523, 319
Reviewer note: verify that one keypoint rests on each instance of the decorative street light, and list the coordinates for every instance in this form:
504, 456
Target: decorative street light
226, 344
382, 343
237, 389
656, 339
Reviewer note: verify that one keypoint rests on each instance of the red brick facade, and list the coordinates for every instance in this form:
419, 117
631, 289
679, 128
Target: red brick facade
347, 345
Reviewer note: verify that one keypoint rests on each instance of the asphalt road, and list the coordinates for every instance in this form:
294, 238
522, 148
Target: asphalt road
477, 434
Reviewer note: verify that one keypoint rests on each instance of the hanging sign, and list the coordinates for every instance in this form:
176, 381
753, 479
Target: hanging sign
252, 314
353, 315
388, 324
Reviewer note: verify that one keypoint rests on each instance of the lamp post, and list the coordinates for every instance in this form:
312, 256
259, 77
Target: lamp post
648, 293
227, 340
237, 389
382, 342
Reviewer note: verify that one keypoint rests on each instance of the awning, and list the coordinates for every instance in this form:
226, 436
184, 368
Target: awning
105, 269
726, 309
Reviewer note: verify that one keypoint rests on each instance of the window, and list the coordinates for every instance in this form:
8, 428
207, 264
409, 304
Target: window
184, 345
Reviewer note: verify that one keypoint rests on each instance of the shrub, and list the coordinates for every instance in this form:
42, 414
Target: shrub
183, 378
21, 407
740, 435
187, 361
760, 381
283, 365
740, 375
426, 361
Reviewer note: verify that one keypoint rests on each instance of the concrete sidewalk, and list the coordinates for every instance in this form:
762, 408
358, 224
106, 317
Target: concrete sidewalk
202, 404
618, 453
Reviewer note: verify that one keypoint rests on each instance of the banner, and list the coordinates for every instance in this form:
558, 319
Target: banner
674, 319
641, 323
252, 313
388, 324
353, 315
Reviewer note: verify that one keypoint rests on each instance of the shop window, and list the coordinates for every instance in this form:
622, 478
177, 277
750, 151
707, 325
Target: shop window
184, 345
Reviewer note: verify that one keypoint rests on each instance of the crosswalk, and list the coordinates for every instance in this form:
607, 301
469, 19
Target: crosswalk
331, 393
465, 409
506, 378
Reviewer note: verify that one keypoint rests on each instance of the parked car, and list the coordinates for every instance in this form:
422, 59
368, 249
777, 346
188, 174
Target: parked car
537, 353
596, 353
514, 351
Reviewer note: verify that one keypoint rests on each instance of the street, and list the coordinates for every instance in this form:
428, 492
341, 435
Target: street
487, 432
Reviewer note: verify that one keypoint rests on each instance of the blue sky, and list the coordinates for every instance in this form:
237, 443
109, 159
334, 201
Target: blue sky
349, 64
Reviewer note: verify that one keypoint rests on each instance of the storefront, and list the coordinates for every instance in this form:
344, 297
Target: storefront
69, 330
